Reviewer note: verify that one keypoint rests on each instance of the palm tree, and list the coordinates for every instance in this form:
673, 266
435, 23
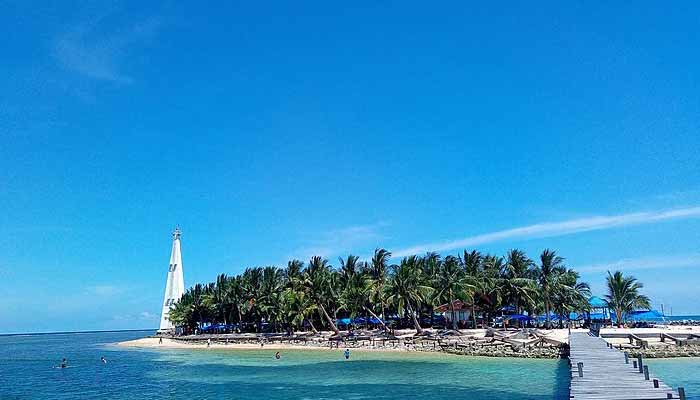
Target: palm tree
354, 295
251, 286
378, 274
623, 295
430, 264
451, 285
518, 286
348, 268
407, 289
551, 265
471, 263
569, 294
271, 286
317, 276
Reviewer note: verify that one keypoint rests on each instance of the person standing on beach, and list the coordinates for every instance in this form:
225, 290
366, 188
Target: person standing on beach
160, 340
208, 342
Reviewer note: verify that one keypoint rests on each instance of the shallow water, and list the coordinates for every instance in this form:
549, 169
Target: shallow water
675, 372
26, 372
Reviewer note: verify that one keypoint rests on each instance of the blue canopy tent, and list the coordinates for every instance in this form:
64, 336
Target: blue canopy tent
363, 320
216, 327
641, 316
599, 309
597, 302
343, 321
518, 317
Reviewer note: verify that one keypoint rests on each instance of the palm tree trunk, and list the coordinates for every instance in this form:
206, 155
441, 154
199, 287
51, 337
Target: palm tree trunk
474, 313
618, 315
375, 316
548, 323
452, 310
419, 330
329, 320
311, 323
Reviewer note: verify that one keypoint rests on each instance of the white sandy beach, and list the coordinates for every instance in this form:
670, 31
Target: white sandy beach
152, 342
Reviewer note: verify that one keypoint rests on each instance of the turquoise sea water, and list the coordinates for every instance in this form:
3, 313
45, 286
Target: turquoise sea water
677, 372
26, 372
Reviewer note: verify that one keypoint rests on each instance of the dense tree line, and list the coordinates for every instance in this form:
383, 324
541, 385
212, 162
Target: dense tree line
315, 295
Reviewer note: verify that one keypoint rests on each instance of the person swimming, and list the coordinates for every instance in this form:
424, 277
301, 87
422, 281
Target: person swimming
104, 360
277, 355
347, 353
64, 364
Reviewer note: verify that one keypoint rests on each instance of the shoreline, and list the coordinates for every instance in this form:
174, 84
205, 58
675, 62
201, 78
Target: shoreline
476, 342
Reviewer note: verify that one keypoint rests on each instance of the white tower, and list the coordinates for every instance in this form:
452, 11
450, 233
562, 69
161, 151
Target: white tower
175, 285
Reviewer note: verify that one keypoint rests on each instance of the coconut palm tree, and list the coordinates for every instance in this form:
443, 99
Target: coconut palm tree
569, 294
471, 263
551, 265
316, 281
378, 275
355, 295
450, 285
407, 289
518, 286
623, 295
271, 286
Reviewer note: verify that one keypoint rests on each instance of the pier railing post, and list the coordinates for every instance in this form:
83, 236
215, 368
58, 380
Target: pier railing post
580, 369
681, 393
639, 363
627, 358
634, 364
646, 372
656, 383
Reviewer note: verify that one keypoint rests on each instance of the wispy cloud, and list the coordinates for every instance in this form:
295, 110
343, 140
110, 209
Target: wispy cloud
642, 263
95, 54
337, 241
104, 290
549, 229
142, 316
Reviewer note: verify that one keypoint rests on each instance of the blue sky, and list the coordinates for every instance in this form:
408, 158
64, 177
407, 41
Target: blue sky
276, 131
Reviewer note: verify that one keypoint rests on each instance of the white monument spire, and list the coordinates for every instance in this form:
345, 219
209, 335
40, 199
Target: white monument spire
175, 285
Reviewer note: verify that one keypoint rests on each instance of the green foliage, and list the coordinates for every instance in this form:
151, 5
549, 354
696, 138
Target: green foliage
315, 295
623, 295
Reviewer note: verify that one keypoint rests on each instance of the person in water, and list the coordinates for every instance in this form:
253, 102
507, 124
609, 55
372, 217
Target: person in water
104, 360
277, 355
347, 353
64, 363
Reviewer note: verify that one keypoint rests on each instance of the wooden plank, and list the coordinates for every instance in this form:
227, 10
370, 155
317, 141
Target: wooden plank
605, 374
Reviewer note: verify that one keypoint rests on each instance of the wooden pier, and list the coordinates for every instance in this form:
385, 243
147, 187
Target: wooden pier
599, 371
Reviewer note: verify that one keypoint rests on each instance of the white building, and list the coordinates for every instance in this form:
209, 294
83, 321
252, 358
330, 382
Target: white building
175, 284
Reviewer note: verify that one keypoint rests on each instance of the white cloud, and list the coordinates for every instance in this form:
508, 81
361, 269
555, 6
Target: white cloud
642, 263
99, 56
104, 290
147, 316
338, 241
549, 229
